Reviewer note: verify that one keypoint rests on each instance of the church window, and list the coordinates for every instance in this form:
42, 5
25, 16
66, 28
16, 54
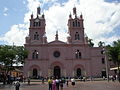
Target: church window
39, 23
77, 37
73, 24
103, 61
36, 36
78, 24
78, 54
34, 24
35, 55
56, 54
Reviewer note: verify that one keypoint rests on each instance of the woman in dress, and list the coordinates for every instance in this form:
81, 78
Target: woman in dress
53, 84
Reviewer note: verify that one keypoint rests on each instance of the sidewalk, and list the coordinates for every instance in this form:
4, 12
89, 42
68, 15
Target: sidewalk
89, 85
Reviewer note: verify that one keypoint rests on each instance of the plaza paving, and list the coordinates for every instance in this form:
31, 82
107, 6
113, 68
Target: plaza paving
89, 85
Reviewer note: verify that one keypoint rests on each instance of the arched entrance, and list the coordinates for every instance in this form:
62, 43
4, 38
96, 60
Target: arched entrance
35, 73
57, 72
78, 72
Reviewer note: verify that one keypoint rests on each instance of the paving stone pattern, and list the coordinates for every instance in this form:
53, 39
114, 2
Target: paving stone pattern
89, 85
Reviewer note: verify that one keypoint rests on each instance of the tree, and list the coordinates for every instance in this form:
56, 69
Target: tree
10, 55
21, 54
91, 44
7, 55
101, 44
114, 55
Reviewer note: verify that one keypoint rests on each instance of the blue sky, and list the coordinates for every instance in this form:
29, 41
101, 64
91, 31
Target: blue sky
101, 18
11, 12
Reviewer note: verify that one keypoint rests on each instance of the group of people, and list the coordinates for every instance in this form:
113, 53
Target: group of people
113, 78
57, 84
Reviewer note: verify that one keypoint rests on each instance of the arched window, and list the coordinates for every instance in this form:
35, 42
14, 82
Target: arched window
39, 23
73, 24
78, 54
77, 37
103, 60
35, 55
36, 36
34, 24
78, 24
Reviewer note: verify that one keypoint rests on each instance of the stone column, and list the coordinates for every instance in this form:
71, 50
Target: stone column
49, 72
73, 73
64, 71
85, 73
40, 73
29, 73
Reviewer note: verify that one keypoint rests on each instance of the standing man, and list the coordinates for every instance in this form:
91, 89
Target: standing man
50, 83
73, 82
67, 82
61, 84
28, 80
17, 85
57, 84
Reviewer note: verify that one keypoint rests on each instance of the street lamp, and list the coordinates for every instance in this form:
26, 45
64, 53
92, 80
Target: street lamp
106, 62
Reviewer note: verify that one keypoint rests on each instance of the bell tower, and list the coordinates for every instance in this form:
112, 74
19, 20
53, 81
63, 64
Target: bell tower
37, 28
76, 28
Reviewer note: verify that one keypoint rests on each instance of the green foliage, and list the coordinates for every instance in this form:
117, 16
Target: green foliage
114, 52
21, 54
101, 44
10, 55
7, 55
91, 44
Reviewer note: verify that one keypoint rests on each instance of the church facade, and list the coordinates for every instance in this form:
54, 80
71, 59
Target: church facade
73, 58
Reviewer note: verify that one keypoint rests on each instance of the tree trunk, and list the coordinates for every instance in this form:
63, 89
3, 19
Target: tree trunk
118, 72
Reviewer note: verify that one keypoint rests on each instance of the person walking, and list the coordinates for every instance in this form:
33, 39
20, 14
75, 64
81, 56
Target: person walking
53, 84
73, 82
61, 84
67, 82
17, 85
57, 84
28, 80
50, 83
42, 80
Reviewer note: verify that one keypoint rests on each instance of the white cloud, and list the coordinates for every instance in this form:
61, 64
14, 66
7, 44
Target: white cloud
100, 18
46, 1
5, 14
106, 40
5, 11
24, 2
16, 34
32, 5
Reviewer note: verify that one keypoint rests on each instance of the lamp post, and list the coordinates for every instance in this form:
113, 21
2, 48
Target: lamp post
106, 62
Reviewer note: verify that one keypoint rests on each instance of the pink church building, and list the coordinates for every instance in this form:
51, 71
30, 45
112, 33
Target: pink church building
73, 58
